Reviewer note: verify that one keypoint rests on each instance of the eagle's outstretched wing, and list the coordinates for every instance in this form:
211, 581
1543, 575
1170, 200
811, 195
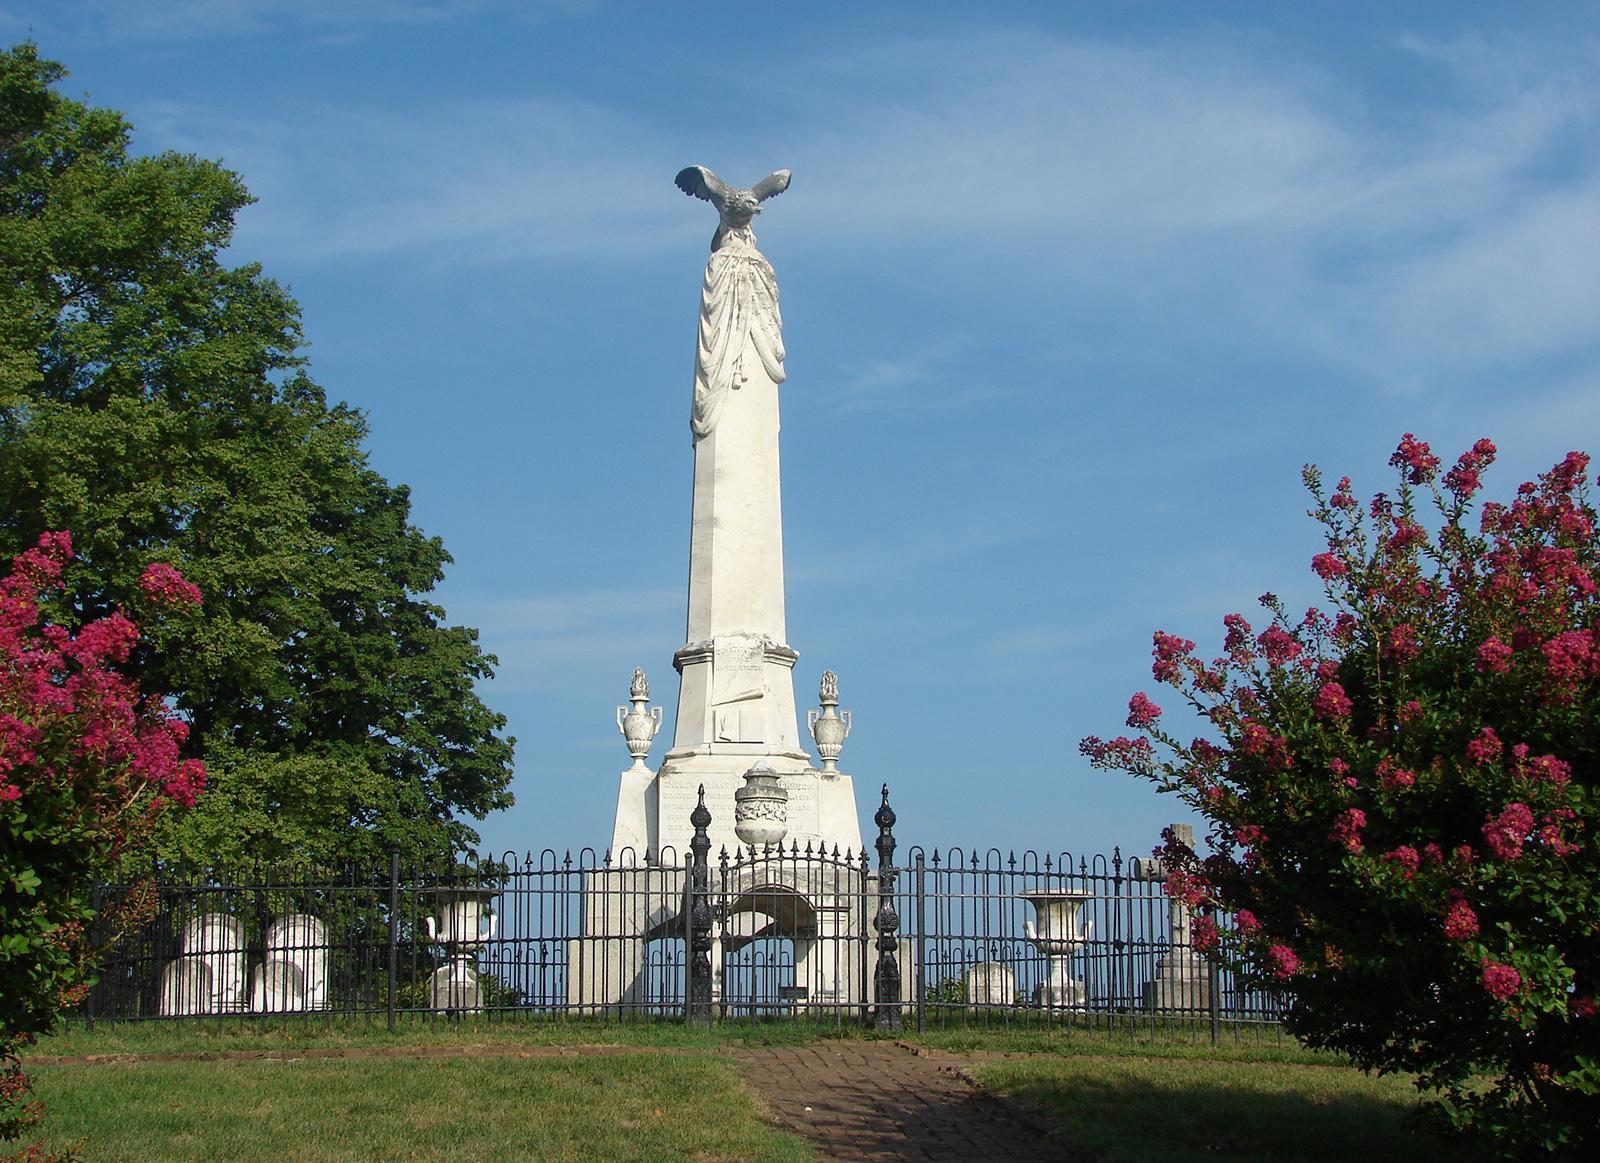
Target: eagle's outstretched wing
770, 186
702, 183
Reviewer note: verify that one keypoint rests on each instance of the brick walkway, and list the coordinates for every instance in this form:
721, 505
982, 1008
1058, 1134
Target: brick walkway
879, 1102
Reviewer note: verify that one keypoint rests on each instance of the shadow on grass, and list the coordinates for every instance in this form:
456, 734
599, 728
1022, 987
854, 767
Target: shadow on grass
1156, 1112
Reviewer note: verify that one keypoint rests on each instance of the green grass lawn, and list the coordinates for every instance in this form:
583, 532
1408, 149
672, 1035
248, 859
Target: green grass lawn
646, 1107
1144, 1110
1128, 1099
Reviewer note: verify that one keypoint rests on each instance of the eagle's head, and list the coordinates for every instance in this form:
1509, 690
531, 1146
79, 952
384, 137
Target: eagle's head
740, 208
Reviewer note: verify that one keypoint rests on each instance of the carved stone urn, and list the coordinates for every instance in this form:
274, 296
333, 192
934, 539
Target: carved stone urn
1057, 936
829, 727
639, 726
761, 807
460, 929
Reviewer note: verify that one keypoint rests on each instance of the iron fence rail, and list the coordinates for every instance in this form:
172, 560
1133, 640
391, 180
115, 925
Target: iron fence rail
965, 937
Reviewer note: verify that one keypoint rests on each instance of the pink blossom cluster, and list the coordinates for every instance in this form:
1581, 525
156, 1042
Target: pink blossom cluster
1346, 831
1278, 646
1142, 713
1405, 858
1282, 962
1414, 456
1170, 651
1499, 980
1328, 566
1506, 833
1394, 777
1331, 702
1485, 747
1460, 922
167, 586
1494, 656
1465, 478
68, 716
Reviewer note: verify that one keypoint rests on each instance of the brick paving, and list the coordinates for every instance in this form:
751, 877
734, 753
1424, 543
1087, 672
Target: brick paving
880, 1102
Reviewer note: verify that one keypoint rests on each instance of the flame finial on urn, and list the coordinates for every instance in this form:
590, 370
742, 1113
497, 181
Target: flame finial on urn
829, 727
639, 725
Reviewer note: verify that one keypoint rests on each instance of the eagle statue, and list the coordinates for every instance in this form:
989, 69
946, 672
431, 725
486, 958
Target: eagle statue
735, 207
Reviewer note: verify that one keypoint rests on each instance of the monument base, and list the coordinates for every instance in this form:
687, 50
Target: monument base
652, 821
1182, 982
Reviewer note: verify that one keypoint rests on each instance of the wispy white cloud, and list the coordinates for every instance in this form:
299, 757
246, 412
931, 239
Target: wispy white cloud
1230, 193
555, 642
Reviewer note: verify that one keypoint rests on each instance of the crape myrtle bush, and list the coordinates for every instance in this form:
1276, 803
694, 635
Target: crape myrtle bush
1401, 794
87, 765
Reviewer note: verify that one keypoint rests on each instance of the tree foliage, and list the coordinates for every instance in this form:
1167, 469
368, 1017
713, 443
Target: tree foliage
1403, 796
88, 766
155, 401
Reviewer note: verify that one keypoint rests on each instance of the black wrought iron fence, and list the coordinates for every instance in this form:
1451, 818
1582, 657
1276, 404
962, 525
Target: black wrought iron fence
959, 937
1024, 938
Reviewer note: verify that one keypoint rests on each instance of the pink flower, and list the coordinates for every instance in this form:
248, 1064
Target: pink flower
1582, 1007
1279, 646
1568, 656
1506, 833
1414, 455
1500, 981
105, 639
1247, 922
1237, 640
9, 792
1410, 711
1393, 777
1460, 922
1331, 702
1402, 643
1282, 962
1142, 713
1406, 858
1464, 479
1433, 854
166, 585
1328, 567
1249, 835
1169, 651
1203, 934
1180, 886
1347, 830
1486, 748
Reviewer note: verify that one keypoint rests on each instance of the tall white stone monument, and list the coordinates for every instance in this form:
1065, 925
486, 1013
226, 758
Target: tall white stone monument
736, 709
736, 705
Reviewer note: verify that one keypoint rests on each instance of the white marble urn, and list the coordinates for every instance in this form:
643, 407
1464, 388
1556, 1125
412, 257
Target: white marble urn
639, 725
461, 926
761, 807
829, 727
1058, 936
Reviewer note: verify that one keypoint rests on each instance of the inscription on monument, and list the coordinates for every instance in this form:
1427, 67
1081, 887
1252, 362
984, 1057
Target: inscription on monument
738, 684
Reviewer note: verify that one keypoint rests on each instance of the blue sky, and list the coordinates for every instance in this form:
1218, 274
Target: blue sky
1070, 292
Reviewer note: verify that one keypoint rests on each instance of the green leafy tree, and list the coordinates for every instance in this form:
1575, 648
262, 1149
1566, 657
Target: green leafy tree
154, 401
1404, 795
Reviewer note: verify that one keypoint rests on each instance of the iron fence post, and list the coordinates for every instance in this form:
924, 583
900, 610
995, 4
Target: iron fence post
887, 978
699, 1001
394, 929
1213, 996
921, 885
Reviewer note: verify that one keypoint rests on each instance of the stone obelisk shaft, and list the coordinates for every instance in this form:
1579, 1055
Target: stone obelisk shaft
736, 697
